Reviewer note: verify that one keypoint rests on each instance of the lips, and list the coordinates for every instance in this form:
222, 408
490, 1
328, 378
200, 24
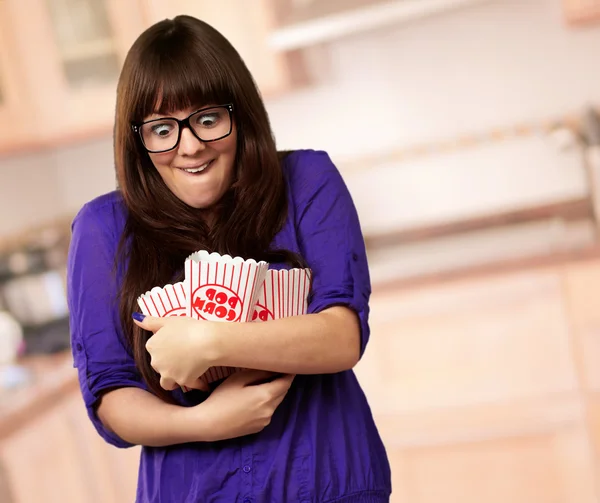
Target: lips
195, 169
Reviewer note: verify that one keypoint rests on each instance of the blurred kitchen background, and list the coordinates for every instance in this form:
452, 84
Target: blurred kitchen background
468, 132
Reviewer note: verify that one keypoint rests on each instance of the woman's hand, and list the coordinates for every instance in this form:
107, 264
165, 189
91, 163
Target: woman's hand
181, 349
242, 405
237, 407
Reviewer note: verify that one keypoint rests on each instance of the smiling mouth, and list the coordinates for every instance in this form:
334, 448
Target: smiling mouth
198, 169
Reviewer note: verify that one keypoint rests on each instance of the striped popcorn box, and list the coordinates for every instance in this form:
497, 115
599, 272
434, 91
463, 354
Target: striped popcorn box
162, 302
284, 293
222, 288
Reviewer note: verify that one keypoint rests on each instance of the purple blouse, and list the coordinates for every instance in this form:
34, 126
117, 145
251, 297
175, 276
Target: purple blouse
322, 444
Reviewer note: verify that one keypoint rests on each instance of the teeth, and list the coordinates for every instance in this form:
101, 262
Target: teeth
197, 170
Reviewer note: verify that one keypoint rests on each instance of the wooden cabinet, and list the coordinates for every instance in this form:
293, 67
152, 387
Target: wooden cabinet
582, 284
14, 111
545, 467
114, 471
59, 458
479, 387
60, 60
581, 11
66, 58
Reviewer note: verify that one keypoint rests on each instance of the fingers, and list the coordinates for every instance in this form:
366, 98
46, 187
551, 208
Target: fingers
167, 383
170, 384
280, 385
281, 389
150, 323
250, 377
198, 384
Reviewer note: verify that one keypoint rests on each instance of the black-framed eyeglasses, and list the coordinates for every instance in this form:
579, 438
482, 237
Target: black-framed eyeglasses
207, 124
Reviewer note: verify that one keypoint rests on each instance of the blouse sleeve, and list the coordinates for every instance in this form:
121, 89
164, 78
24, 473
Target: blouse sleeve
99, 353
331, 240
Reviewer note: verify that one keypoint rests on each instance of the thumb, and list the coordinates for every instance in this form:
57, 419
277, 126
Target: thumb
150, 323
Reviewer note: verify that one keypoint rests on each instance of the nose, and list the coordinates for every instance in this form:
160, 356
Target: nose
189, 144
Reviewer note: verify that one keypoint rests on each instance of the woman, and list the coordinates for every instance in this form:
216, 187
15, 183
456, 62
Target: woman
198, 169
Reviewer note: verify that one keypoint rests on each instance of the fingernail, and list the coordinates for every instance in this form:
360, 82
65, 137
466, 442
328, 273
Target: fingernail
138, 316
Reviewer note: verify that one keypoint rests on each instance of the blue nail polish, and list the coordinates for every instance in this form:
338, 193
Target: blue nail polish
138, 316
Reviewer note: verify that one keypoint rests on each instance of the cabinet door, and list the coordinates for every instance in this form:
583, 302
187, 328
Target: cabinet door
246, 28
582, 283
70, 53
42, 462
470, 342
14, 111
551, 466
475, 389
111, 472
581, 11
60, 458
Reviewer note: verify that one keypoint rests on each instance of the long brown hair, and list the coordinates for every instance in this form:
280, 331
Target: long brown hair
178, 64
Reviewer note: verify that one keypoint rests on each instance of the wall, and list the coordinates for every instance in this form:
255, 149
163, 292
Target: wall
29, 191
498, 63
491, 65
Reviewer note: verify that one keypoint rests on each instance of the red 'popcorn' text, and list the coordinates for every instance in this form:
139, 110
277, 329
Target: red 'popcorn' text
261, 313
217, 303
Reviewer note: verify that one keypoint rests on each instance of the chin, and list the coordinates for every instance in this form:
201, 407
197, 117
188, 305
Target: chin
199, 204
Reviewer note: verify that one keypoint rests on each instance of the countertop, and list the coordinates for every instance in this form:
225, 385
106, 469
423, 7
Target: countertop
52, 378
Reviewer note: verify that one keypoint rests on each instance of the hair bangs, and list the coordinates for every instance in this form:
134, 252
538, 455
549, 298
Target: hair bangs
182, 81
192, 88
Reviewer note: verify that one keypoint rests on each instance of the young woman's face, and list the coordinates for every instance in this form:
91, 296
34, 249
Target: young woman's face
199, 173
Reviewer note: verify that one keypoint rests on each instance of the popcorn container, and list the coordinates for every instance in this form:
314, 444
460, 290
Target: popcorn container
161, 302
284, 293
221, 288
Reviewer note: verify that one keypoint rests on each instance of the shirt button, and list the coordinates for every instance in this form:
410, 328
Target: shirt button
354, 257
79, 347
247, 470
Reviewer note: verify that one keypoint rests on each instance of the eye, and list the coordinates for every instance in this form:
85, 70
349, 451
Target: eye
208, 120
162, 129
